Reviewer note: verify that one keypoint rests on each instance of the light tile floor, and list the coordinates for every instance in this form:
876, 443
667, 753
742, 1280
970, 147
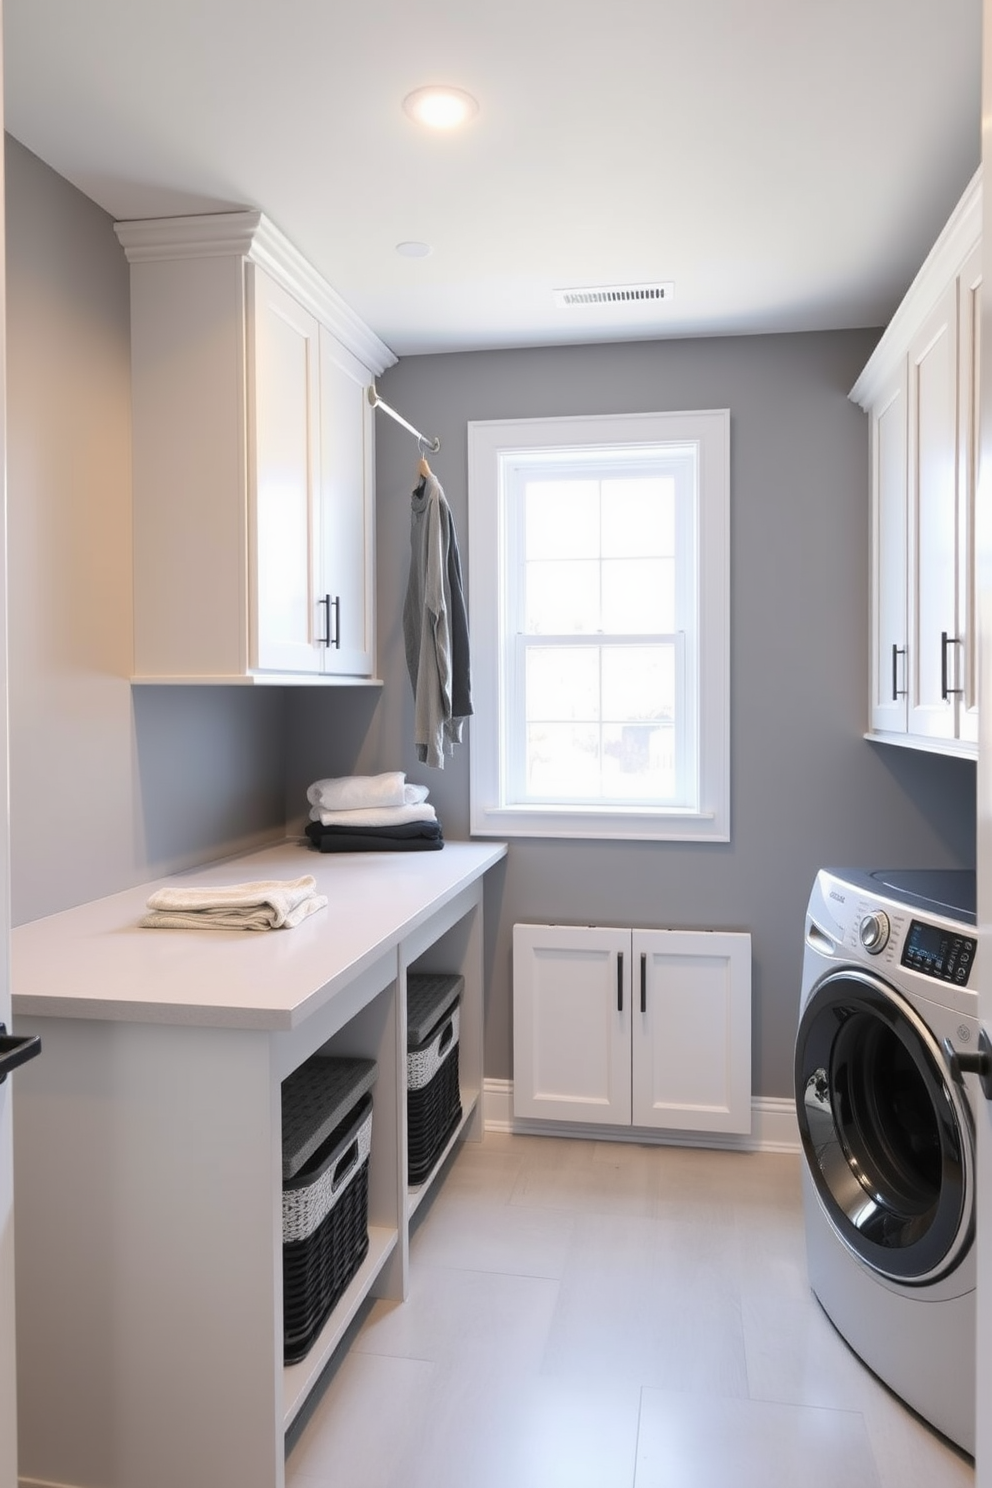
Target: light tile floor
607, 1315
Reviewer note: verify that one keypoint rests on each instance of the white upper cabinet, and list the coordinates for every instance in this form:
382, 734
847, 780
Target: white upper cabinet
284, 514
346, 540
889, 679
932, 492
920, 391
253, 459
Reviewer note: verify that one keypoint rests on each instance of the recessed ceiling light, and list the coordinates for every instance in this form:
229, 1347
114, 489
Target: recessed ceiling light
440, 107
413, 249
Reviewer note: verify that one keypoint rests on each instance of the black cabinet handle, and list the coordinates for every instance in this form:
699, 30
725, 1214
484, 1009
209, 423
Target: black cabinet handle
619, 981
15, 1051
331, 636
644, 982
945, 641
897, 651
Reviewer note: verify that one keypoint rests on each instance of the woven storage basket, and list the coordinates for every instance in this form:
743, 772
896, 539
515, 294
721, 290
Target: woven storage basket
434, 1106
325, 1201
315, 1100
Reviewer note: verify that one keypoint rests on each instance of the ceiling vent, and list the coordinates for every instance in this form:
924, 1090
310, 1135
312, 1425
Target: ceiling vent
614, 294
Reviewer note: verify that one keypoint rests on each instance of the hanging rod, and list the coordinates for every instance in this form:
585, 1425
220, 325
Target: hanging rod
432, 444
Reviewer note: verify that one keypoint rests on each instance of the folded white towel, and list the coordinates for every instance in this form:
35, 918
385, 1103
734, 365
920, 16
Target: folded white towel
356, 792
385, 816
266, 904
365, 792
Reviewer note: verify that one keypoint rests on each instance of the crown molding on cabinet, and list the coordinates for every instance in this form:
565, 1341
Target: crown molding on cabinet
251, 235
959, 236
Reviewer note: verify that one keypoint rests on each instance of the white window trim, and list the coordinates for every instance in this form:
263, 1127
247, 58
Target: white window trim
710, 430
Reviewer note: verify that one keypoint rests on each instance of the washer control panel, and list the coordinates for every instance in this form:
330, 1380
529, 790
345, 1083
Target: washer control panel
942, 954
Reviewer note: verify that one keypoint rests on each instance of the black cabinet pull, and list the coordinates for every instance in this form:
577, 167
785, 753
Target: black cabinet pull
15, 1051
644, 982
619, 981
332, 634
336, 607
897, 651
945, 641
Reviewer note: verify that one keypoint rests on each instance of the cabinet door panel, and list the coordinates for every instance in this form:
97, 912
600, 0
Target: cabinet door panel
571, 1023
692, 1030
933, 520
284, 418
889, 616
346, 516
969, 388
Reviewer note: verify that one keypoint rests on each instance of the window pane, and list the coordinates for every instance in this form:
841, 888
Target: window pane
561, 519
639, 517
562, 682
562, 598
563, 761
639, 762
639, 596
639, 683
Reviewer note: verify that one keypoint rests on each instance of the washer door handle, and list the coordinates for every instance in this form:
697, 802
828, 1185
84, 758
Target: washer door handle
977, 1063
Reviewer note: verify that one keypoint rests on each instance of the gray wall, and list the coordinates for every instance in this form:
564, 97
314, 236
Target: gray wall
108, 787
807, 789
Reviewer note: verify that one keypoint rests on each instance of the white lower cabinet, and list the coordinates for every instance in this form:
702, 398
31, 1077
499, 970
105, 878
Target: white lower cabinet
636, 1028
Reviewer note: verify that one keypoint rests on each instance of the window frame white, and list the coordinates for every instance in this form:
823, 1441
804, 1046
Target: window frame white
489, 441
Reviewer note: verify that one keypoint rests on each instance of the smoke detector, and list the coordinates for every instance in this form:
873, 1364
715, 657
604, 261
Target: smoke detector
614, 294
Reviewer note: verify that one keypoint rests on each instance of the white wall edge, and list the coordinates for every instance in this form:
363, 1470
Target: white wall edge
773, 1126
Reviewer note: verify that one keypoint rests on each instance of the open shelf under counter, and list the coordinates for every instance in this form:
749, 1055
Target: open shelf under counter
148, 1153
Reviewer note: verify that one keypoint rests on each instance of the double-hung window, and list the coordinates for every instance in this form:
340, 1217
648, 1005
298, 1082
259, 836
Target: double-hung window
599, 613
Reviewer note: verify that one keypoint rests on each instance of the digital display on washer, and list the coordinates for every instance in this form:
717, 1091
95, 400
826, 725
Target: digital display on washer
937, 953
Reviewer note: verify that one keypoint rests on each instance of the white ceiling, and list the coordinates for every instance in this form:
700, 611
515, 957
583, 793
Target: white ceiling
788, 163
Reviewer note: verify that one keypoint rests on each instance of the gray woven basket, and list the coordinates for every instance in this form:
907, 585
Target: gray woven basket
428, 996
423, 1064
315, 1099
306, 1205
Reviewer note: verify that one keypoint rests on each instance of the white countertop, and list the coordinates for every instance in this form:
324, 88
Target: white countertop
95, 962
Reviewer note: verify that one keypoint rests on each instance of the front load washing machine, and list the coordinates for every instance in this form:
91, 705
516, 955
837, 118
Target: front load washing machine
887, 1122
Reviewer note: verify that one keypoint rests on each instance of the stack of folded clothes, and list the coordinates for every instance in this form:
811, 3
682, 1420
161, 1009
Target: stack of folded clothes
372, 813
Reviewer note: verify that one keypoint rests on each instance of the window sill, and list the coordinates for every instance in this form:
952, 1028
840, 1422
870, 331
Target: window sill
616, 824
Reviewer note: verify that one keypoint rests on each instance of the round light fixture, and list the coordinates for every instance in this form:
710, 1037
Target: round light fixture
440, 107
413, 249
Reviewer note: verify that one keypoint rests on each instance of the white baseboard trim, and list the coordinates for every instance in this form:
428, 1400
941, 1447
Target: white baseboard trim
773, 1126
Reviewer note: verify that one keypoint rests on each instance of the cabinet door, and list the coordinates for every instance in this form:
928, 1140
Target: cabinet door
571, 1023
933, 429
969, 352
284, 632
346, 514
691, 1040
888, 542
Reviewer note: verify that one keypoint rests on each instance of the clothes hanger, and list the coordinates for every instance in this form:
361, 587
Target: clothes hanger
423, 469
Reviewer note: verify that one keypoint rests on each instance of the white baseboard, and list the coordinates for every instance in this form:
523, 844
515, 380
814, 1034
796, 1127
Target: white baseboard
773, 1125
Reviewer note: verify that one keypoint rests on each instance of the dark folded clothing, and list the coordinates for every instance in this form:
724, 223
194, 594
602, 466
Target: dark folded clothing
402, 829
408, 837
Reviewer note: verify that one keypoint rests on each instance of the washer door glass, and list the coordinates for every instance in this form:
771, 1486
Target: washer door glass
886, 1136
